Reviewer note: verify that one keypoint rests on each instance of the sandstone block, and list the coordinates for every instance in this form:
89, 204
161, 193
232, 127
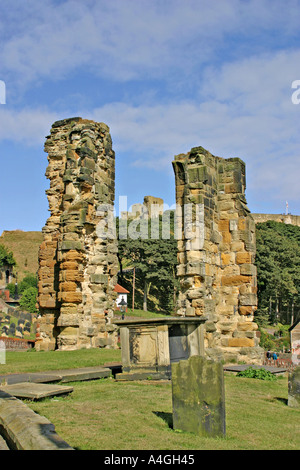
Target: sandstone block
71, 297
240, 342
243, 257
235, 280
68, 286
71, 245
73, 255
246, 310
248, 299
247, 326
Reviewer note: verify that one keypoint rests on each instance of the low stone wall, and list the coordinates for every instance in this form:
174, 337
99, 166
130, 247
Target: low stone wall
23, 429
284, 218
14, 344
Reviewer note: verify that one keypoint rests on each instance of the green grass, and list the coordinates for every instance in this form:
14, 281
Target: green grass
141, 314
110, 415
25, 247
32, 361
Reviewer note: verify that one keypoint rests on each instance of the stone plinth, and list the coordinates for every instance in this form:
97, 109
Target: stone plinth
77, 267
216, 253
198, 397
149, 346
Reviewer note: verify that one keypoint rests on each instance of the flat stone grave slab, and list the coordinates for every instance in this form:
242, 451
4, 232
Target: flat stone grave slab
242, 367
64, 375
35, 391
33, 377
86, 373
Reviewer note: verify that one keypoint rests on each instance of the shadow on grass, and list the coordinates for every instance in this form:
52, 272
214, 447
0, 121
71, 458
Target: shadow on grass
167, 417
282, 400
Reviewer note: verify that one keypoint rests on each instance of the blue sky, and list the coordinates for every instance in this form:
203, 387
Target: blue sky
165, 76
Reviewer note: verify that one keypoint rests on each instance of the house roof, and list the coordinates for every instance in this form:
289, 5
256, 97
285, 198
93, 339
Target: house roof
120, 289
7, 297
294, 324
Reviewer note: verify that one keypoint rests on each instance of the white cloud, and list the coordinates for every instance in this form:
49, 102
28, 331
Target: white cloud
28, 126
242, 102
126, 39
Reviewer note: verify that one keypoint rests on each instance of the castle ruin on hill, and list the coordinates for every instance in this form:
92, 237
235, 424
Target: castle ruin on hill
78, 269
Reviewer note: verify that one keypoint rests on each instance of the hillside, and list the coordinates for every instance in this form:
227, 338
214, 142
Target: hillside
25, 247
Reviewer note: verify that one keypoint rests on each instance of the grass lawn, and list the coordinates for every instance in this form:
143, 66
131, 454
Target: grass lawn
141, 314
109, 415
32, 361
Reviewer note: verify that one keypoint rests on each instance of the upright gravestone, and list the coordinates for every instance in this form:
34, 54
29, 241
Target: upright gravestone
2, 352
294, 375
294, 388
198, 397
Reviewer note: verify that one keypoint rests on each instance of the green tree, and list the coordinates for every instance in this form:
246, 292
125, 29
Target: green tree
29, 281
153, 258
278, 273
6, 257
28, 300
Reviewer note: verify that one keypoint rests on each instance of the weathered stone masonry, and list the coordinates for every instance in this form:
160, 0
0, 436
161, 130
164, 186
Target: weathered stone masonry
217, 272
77, 269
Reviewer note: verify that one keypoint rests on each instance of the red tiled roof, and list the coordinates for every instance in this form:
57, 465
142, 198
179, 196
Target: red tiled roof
120, 289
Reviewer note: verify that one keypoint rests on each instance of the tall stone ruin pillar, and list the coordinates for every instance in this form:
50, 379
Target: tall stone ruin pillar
77, 268
216, 268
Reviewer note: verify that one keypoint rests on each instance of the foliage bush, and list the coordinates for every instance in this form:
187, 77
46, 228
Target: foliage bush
29, 281
28, 299
267, 341
261, 374
6, 257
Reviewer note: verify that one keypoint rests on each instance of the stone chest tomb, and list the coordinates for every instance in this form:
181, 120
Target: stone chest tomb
150, 346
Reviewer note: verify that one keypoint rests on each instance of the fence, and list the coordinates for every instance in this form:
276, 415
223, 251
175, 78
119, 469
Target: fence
282, 361
14, 344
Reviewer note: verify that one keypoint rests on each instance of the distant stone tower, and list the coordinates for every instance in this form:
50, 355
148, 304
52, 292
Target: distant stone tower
154, 206
216, 269
77, 268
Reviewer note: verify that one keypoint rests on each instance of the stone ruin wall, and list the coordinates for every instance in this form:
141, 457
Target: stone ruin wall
283, 218
216, 271
77, 269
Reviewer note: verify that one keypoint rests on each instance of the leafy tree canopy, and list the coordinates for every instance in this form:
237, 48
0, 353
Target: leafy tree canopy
278, 263
6, 257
